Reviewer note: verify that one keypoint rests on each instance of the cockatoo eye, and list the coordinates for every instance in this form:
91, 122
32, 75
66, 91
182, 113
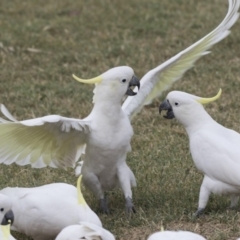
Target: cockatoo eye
2, 209
176, 103
124, 80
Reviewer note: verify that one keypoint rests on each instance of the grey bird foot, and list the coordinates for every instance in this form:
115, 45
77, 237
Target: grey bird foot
104, 206
232, 207
129, 206
199, 212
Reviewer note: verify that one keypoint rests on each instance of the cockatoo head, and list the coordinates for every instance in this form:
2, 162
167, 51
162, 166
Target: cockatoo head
85, 230
6, 213
184, 106
172, 235
114, 83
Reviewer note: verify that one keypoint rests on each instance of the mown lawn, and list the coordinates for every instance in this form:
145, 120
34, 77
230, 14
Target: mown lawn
43, 42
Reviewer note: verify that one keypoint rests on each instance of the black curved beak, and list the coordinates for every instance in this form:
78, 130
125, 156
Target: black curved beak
165, 105
8, 218
134, 82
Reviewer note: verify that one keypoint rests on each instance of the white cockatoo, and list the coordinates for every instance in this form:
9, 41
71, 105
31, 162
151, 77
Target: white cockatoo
215, 149
104, 136
6, 217
85, 230
5, 232
42, 212
175, 235
6, 213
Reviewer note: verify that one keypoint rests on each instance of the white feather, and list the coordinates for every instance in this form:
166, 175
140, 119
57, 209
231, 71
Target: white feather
85, 230
175, 235
47, 141
214, 148
58, 141
42, 212
162, 77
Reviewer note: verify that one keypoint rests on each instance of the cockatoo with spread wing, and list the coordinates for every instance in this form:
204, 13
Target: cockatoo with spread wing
215, 149
85, 230
106, 133
175, 235
42, 212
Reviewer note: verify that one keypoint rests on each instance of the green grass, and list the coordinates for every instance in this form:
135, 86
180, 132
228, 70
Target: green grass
89, 37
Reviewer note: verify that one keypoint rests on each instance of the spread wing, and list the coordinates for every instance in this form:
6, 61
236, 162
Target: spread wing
53, 140
162, 77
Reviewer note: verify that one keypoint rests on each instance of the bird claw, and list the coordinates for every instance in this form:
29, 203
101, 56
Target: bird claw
199, 212
232, 208
104, 206
129, 206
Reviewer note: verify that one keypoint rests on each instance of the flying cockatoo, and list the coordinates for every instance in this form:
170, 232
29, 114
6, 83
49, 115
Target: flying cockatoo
178, 235
104, 136
85, 230
42, 212
215, 149
5, 232
6, 213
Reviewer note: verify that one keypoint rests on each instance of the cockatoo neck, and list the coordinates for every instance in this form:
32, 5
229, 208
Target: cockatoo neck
194, 118
106, 96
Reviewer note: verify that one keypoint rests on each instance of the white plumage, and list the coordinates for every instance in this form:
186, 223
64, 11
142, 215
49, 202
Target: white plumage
178, 235
6, 213
85, 230
104, 136
42, 212
215, 149
6, 217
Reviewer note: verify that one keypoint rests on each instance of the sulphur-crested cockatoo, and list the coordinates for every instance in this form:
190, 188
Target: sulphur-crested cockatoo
5, 232
42, 212
215, 149
105, 134
178, 235
85, 230
6, 217
6, 213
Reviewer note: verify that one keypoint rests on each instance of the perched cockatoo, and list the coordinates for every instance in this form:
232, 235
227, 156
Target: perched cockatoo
178, 235
215, 149
104, 136
5, 232
42, 212
85, 230
6, 213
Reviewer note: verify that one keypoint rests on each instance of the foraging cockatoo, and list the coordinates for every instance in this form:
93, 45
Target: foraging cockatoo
215, 149
105, 134
6, 213
5, 232
172, 235
42, 212
85, 230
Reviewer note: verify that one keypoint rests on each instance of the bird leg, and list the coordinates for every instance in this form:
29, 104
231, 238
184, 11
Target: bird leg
104, 205
126, 180
203, 196
129, 206
199, 212
234, 201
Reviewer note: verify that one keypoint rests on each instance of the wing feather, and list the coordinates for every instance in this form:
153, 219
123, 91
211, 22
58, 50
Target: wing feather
162, 77
53, 140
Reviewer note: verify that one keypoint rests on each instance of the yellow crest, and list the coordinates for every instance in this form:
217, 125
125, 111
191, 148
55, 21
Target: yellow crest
208, 100
81, 199
89, 81
6, 231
